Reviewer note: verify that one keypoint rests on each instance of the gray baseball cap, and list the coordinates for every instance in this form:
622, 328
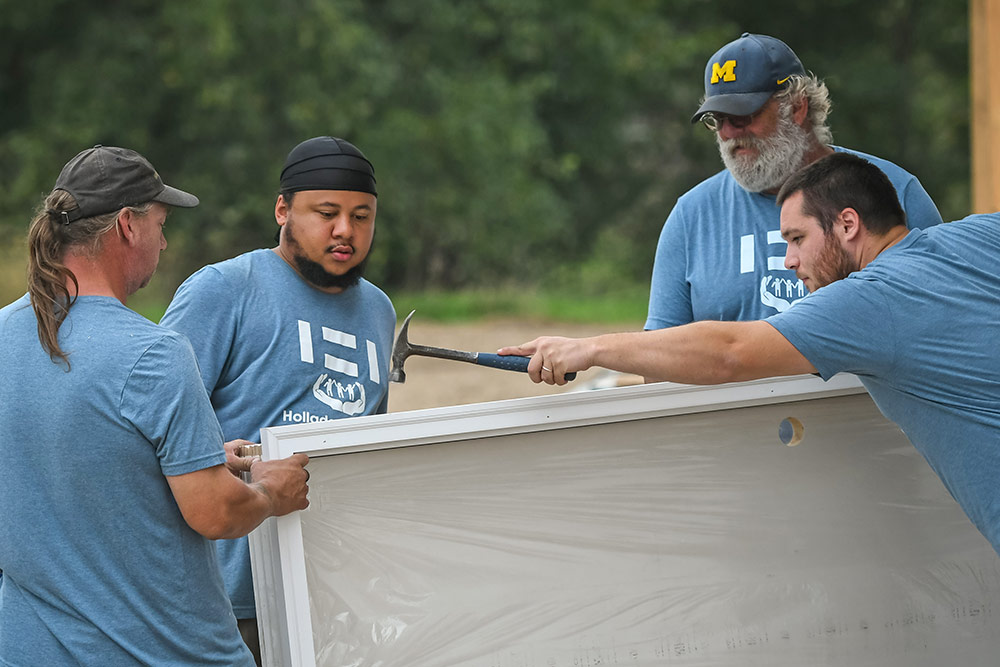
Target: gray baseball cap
104, 179
743, 75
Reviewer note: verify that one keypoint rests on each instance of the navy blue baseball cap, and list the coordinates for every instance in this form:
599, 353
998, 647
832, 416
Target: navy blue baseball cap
741, 77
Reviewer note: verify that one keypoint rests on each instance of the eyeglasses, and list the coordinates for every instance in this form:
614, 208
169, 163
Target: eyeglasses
713, 120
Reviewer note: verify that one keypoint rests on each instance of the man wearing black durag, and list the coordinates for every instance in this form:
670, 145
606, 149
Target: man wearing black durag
293, 334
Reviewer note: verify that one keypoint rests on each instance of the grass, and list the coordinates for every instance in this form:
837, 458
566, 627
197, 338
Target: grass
150, 306
13, 271
623, 306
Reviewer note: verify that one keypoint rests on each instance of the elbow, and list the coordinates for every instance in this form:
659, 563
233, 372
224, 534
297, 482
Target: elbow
215, 504
222, 532
210, 528
734, 364
219, 523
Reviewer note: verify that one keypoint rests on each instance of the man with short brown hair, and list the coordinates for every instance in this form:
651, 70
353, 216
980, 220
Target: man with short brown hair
915, 314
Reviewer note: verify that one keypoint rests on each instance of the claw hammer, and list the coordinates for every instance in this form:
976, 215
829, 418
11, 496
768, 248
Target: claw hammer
403, 348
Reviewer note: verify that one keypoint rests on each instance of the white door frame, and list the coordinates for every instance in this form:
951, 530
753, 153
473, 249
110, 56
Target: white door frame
277, 554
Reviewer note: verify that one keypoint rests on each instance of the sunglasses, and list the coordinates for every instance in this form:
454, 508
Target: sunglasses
714, 120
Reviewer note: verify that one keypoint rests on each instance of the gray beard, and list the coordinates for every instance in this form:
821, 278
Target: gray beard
779, 156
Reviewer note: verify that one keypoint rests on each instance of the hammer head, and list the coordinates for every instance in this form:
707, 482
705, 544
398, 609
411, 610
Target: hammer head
400, 351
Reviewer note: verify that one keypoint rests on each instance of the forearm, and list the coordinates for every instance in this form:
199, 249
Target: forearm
218, 505
697, 353
245, 511
232, 508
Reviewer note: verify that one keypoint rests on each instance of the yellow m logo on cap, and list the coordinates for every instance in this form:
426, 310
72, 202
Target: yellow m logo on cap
726, 72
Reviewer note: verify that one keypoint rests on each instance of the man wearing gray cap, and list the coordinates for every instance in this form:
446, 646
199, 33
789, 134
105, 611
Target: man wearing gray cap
720, 255
113, 471
293, 334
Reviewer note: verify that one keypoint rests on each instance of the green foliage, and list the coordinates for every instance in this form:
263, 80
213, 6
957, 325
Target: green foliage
515, 141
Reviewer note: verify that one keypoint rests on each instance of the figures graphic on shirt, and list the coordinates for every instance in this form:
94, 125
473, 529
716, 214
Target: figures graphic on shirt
349, 398
779, 293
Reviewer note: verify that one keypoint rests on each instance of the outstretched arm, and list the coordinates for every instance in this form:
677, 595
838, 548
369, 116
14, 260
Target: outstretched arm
696, 353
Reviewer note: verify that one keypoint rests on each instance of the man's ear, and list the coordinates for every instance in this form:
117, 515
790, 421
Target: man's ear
281, 210
848, 224
126, 224
800, 111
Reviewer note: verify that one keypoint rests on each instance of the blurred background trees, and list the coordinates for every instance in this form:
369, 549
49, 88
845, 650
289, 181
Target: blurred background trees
516, 142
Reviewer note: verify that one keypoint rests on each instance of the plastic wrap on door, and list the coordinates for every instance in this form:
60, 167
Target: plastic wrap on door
690, 540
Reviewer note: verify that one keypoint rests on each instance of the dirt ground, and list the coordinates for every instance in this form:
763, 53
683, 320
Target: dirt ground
435, 382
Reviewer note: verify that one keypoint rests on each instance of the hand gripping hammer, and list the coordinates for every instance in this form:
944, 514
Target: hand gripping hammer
403, 348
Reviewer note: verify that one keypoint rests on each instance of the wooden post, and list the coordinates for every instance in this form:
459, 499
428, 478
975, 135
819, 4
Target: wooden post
984, 33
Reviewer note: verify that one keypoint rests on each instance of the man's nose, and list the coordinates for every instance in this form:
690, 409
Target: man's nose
791, 259
341, 226
729, 131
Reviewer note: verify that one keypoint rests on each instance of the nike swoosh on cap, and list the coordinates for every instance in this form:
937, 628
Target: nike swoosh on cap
781, 81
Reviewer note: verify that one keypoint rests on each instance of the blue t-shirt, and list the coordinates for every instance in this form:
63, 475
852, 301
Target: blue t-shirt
275, 351
721, 256
100, 567
920, 325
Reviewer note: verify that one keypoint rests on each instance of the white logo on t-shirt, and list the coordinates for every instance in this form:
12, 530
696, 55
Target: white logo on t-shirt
347, 397
775, 292
778, 293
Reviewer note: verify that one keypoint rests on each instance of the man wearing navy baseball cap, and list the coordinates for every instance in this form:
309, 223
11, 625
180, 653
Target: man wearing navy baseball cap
765, 65
293, 334
720, 255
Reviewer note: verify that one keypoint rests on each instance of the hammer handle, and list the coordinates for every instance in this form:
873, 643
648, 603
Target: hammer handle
508, 363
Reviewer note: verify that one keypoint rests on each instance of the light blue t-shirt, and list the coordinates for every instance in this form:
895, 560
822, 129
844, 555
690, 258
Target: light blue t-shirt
274, 351
721, 256
920, 326
100, 567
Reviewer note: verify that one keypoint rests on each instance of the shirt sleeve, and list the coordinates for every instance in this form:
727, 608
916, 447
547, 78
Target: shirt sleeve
921, 212
669, 291
204, 312
846, 327
166, 401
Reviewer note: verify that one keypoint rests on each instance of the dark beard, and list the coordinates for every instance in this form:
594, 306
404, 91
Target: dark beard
316, 275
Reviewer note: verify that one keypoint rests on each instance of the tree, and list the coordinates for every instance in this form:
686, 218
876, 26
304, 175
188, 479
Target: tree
514, 141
